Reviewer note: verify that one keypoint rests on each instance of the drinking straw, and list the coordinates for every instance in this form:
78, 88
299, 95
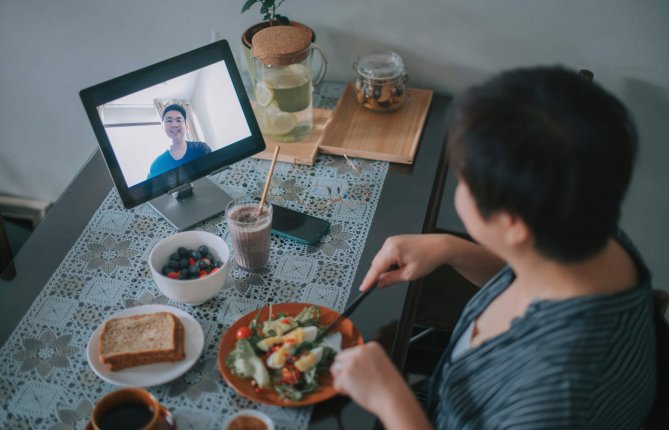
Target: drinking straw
269, 179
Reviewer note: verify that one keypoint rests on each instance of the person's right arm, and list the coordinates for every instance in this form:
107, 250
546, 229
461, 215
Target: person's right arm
366, 374
409, 257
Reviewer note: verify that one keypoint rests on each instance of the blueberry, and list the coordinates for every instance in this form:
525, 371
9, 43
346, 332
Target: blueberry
203, 264
196, 255
173, 264
183, 252
183, 263
166, 270
193, 270
174, 256
210, 256
203, 249
183, 274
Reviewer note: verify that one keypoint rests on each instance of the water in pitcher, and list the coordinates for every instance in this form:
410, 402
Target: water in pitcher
284, 103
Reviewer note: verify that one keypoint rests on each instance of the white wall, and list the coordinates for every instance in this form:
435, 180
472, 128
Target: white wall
52, 49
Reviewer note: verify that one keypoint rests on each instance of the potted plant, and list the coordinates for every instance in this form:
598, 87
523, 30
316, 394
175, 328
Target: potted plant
270, 17
268, 8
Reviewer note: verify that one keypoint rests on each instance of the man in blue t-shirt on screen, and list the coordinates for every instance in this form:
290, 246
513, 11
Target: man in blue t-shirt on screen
180, 151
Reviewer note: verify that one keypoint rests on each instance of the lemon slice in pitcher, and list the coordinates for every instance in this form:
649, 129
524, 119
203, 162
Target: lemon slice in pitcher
264, 95
280, 122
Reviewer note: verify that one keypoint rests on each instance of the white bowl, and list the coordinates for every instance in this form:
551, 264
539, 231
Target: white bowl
250, 413
190, 291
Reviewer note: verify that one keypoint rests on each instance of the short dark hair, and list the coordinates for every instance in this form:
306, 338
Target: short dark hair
177, 108
550, 147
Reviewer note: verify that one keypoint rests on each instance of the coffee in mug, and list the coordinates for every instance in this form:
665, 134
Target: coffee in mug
128, 409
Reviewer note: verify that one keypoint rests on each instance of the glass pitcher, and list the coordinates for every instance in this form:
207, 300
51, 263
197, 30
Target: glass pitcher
283, 83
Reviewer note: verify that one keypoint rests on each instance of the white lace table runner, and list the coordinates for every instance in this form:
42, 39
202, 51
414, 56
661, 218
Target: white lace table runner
45, 379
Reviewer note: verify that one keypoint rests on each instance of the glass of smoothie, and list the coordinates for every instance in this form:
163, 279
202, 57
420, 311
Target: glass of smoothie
250, 229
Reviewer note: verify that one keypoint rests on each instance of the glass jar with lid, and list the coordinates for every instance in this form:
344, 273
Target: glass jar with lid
284, 83
381, 79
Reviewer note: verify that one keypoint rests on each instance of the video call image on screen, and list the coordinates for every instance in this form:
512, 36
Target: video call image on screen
149, 134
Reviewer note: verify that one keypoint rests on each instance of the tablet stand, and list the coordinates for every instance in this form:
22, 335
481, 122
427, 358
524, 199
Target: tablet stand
192, 203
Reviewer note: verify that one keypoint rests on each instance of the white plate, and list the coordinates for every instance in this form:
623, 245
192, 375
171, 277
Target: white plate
149, 375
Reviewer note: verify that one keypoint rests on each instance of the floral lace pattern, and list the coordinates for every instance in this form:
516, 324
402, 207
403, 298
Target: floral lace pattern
45, 381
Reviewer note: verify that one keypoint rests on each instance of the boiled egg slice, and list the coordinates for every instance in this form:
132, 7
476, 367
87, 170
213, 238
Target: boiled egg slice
267, 343
278, 358
310, 359
301, 334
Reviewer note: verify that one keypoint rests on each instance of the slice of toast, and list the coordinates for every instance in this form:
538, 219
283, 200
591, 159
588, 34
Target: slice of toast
141, 339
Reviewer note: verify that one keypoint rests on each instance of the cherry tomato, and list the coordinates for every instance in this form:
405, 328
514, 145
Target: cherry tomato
243, 333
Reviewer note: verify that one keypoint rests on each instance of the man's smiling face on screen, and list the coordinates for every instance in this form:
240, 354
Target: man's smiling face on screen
175, 125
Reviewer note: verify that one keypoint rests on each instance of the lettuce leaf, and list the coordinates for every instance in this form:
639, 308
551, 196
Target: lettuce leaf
244, 362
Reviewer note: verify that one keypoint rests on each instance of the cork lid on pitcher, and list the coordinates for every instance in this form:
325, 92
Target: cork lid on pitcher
281, 45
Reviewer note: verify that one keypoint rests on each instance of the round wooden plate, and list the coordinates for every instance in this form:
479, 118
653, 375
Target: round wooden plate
350, 337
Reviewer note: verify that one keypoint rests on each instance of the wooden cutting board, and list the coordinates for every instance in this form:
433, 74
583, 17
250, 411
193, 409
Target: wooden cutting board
388, 136
303, 151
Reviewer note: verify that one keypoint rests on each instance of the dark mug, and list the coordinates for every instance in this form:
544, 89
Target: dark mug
127, 408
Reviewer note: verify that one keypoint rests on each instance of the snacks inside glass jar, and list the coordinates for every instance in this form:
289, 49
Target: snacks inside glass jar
380, 83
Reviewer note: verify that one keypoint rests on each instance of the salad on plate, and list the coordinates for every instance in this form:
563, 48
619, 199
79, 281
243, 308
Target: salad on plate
281, 354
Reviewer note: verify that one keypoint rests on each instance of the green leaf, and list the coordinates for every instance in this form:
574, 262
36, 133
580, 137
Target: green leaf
243, 362
248, 4
308, 316
310, 376
279, 326
326, 360
304, 346
288, 392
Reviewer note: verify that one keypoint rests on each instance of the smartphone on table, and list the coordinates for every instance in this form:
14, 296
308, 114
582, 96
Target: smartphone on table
297, 226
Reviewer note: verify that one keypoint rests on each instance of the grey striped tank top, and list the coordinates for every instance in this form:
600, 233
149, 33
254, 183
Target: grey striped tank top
587, 362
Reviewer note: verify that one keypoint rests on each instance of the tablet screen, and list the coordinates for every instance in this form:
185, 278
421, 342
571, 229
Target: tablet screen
172, 122
203, 111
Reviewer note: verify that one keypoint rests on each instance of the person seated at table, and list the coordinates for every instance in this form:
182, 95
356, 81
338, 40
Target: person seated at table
561, 333
180, 151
